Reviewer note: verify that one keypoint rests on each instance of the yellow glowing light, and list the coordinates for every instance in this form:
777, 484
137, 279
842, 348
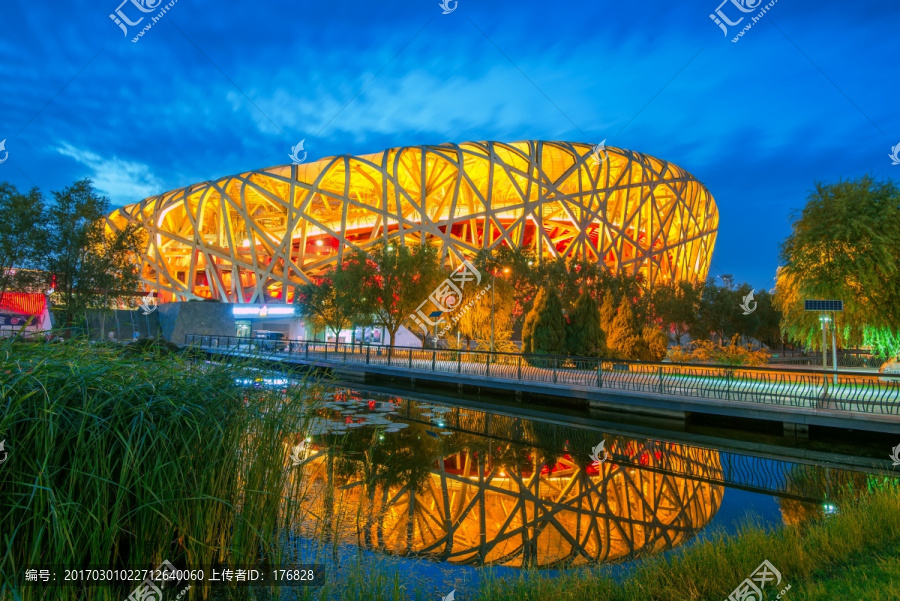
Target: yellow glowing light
631, 213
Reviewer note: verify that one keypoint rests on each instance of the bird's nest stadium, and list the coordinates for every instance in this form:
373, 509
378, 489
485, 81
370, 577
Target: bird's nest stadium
253, 237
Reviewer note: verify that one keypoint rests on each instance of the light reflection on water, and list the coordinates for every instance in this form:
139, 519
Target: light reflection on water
440, 489
468, 487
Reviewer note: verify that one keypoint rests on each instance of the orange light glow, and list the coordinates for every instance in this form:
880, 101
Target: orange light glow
256, 234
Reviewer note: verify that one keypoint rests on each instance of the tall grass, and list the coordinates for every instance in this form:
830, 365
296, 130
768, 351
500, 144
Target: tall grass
126, 460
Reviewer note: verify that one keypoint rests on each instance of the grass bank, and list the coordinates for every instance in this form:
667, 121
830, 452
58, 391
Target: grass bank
841, 549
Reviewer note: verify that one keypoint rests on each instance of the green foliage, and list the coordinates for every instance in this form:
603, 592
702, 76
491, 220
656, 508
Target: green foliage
707, 351
884, 342
677, 305
474, 317
584, 335
844, 245
93, 264
23, 238
530, 320
654, 344
607, 315
126, 460
391, 281
549, 327
334, 301
623, 337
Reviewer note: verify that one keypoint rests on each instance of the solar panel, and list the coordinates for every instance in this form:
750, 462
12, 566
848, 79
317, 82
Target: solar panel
823, 305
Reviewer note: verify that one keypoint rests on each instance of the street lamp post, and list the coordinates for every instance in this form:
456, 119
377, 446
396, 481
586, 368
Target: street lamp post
827, 313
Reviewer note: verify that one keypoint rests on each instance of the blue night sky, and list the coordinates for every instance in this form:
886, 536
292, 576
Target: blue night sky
808, 94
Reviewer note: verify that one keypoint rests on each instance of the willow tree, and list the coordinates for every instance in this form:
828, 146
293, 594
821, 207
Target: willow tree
844, 245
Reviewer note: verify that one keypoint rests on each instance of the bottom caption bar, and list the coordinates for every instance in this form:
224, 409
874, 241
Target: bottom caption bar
168, 576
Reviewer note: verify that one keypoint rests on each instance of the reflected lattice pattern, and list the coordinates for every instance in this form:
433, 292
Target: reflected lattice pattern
253, 237
529, 511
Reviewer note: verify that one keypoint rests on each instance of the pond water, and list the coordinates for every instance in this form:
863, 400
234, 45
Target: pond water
433, 490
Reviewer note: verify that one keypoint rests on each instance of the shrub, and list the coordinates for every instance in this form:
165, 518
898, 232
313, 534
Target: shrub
707, 351
654, 342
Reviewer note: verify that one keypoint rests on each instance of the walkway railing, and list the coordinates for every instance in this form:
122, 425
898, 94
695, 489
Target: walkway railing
843, 391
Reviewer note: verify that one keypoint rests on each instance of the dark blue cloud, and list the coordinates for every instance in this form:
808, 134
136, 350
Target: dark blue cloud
809, 93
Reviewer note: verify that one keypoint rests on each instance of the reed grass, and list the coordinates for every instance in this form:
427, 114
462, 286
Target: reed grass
128, 459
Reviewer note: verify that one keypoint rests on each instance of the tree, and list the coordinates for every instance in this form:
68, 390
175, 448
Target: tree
584, 336
524, 278
844, 244
676, 305
333, 302
93, 263
607, 314
530, 319
548, 335
719, 306
23, 238
473, 318
623, 338
393, 280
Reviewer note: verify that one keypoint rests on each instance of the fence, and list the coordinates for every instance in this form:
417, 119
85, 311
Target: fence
842, 391
845, 359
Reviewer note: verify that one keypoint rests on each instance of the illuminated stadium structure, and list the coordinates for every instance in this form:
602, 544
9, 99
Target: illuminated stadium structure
253, 237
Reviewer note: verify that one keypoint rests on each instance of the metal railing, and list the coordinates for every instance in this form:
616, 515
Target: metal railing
841, 391
814, 359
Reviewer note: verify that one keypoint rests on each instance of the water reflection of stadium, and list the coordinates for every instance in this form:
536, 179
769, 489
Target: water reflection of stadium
508, 491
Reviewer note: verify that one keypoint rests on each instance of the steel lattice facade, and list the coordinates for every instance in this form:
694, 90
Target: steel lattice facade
253, 237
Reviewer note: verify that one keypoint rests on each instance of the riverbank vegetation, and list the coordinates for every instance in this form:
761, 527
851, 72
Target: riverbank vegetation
120, 460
